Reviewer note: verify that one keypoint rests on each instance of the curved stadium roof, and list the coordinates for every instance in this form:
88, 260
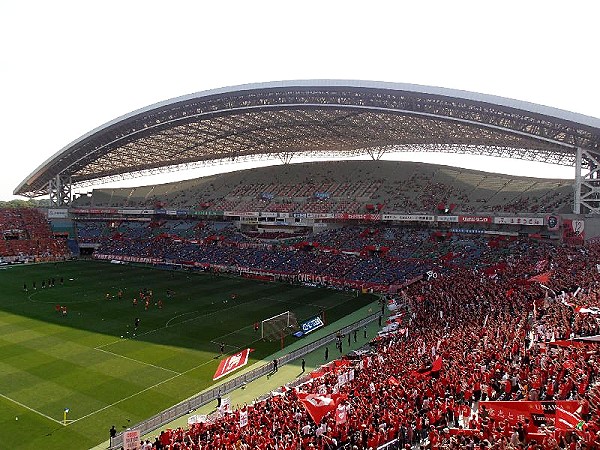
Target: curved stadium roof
287, 118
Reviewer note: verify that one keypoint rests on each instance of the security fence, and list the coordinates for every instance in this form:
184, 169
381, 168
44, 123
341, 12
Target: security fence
213, 393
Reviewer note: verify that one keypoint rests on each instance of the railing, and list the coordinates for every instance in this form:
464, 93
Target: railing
211, 394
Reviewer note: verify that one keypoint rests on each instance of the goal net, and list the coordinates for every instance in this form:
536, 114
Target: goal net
280, 325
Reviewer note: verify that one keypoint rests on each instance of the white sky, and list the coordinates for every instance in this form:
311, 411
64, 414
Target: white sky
68, 67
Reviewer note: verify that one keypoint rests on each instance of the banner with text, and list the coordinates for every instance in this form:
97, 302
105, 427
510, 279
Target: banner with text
531, 221
538, 413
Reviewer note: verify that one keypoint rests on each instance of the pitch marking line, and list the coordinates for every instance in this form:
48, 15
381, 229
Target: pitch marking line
31, 409
136, 360
142, 391
167, 325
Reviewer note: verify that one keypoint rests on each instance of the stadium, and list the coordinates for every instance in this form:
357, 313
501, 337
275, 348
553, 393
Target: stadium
463, 304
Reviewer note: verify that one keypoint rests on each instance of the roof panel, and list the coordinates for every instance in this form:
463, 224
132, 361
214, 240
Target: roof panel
314, 116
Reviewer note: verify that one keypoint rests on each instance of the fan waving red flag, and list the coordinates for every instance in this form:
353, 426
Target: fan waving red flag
318, 405
392, 380
437, 364
541, 278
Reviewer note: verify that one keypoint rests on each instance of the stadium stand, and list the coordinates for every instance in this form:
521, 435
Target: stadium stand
460, 295
348, 186
27, 236
467, 337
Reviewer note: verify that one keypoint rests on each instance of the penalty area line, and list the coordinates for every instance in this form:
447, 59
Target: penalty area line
31, 409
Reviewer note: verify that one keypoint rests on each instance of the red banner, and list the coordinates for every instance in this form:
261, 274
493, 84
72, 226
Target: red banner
541, 278
538, 413
573, 231
318, 405
231, 363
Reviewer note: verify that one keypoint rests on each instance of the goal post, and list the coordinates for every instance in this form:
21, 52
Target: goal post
282, 324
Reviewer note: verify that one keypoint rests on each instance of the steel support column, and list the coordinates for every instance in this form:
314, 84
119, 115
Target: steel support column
577, 185
587, 186
285, 157
60, 191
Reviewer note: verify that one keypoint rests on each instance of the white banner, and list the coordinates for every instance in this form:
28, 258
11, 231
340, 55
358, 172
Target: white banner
243, 418
131, 440
447, 218
408, 217
197, 418
225, 407
241, 213
58, 214
532, 221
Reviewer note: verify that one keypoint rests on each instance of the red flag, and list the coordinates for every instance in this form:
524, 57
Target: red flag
318, 405
566, 420
569, 364
393, 381
231, 363
437, 365
541, 278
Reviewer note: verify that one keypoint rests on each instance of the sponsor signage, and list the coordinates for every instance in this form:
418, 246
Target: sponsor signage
408, 217
208, 213
475, 219
447, 218
241, 213
58, 214
311, 324
345, 216
519, 220
128, 258
95, 211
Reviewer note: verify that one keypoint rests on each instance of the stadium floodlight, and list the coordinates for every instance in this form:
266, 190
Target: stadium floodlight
282, 324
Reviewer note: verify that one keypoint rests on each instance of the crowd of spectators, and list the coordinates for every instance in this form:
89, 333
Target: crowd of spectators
465, 336
377, 255
26, 236
350, 187
361, 254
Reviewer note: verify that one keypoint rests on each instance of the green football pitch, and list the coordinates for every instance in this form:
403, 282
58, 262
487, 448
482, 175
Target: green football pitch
90, 362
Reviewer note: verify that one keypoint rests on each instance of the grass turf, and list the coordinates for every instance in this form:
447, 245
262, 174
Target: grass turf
50, 361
